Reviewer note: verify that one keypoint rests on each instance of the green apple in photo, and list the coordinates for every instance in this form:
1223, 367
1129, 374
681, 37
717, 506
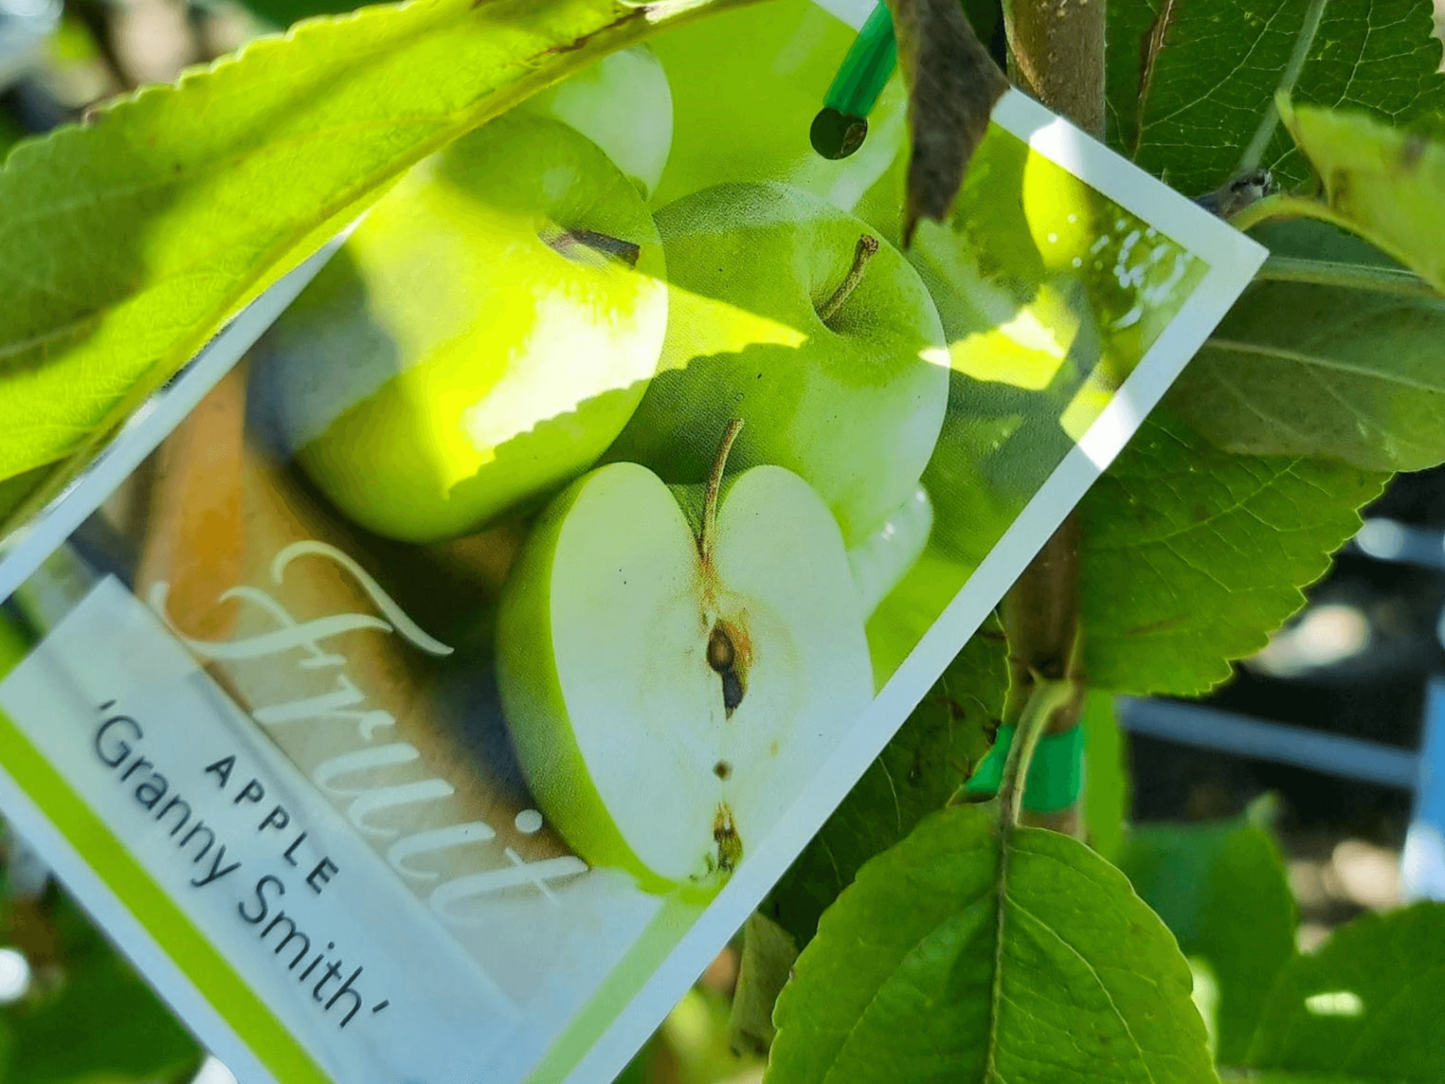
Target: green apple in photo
673, 665
623, 104
992, 334
791, 314
746, 85
1047, 224
882, 559
480, 339
911, 609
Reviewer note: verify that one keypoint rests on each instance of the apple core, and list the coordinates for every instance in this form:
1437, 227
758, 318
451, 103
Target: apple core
668, 673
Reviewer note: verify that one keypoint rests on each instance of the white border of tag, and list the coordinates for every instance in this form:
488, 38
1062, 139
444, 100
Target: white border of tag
1233, 259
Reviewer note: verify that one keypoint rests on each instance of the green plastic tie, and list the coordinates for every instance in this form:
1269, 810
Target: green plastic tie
1056, 776
840, 128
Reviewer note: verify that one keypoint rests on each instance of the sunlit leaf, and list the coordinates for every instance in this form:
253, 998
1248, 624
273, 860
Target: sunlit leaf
1386, 184
1192, 556
1365, 1007
130, 240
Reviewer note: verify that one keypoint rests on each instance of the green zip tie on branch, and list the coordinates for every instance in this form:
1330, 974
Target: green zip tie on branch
1056, 776
840, 128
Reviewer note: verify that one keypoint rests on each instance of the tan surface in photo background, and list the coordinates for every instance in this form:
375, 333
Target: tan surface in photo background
218, 513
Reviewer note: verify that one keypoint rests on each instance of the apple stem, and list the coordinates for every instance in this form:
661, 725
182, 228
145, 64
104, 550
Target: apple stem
714, 484
566, 243
867, 247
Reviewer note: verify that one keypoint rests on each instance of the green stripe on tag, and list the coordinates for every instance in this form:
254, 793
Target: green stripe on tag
622, 987
269, 1040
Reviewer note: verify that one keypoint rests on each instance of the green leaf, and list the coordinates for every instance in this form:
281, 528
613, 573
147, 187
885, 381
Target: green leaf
16, 490
1383, 183
129, 241
985, 15
1106, 776
1277, 1077
10, 133
1192, 556
769, 952
636, 1071
101, 1023
956, 957
1365, 1006
1190, 84
917, 772
1221, 889
1350, 371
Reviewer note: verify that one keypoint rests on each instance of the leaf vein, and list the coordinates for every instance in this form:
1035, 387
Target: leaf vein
1103, 987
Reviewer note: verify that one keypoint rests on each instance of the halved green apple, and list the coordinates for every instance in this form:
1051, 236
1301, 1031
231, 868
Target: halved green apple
674, 663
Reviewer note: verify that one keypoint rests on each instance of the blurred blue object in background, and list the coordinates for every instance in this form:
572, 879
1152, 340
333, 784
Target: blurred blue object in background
24, 26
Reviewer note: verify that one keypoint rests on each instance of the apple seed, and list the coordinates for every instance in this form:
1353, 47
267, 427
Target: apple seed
732, 686
722, 656
720, 653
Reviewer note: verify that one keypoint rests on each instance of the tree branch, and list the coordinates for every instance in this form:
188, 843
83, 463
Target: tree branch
1056, 53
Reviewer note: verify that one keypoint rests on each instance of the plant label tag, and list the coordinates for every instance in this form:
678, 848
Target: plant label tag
430, 682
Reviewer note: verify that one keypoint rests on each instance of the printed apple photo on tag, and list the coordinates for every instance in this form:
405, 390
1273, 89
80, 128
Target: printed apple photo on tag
452, 658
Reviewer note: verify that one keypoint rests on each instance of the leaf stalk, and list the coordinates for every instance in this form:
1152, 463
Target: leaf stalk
1264, 134
1047, 698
